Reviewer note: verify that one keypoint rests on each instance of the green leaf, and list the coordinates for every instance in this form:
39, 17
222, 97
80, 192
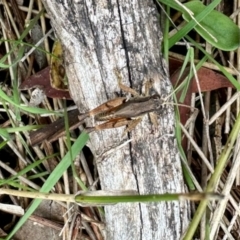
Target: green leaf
215, 28
188, 27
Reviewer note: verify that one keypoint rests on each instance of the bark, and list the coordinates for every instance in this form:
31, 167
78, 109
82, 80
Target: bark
99, 37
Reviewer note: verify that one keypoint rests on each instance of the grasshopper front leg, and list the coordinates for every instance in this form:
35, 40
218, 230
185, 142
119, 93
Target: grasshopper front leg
124, 87
132, 124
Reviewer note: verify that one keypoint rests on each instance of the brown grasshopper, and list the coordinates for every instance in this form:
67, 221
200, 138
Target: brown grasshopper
121, 111
116, 112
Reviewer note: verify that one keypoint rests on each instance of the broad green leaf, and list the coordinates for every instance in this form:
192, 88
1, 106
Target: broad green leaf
225, 33
190, 25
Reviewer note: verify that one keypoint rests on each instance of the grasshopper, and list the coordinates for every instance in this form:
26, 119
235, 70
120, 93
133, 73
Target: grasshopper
117, 112
121, 111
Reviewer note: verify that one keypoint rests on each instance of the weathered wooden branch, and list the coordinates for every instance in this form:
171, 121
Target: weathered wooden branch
98, 37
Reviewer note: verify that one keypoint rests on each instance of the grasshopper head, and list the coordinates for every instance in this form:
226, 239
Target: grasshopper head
156, 102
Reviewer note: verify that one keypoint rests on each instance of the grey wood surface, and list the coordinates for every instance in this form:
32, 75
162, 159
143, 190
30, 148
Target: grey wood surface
98, 37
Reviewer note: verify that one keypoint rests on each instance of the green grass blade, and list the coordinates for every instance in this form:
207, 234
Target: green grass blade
29, 109
25, 170
52, 180
15, 47
221, 163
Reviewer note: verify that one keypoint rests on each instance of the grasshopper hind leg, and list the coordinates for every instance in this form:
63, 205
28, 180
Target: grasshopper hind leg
115, 123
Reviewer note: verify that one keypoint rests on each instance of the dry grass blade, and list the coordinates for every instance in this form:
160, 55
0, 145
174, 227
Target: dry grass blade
24, 166
211, 134
19, 164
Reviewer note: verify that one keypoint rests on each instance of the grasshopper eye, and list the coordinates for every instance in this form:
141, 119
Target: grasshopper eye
157, 101
156, 97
